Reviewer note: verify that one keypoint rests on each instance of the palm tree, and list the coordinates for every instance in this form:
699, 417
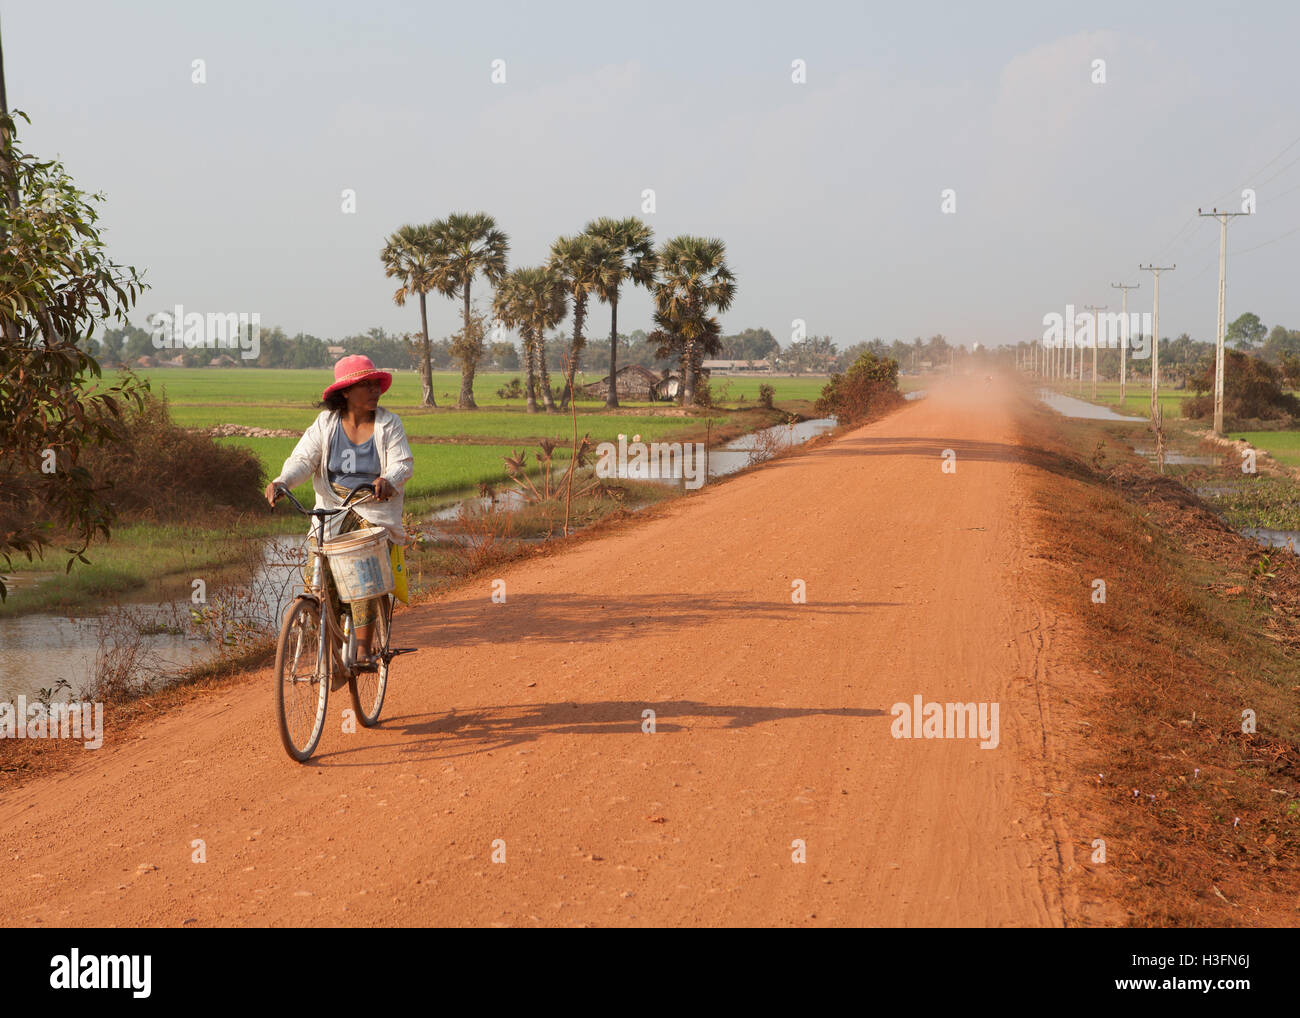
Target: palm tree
411, 256
468, 243
633, 260
695, 281
533, 300
581, 263
670, 337
508, 305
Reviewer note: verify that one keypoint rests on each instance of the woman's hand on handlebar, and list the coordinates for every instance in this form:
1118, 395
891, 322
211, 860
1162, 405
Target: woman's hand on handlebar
383, 490
272, 494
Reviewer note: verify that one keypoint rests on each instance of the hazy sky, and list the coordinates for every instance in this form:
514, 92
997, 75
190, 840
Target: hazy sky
827, 194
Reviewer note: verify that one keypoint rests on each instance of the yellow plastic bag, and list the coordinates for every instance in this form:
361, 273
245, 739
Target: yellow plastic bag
399, 573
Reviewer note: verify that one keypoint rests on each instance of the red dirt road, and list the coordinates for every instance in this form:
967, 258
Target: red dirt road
523, 722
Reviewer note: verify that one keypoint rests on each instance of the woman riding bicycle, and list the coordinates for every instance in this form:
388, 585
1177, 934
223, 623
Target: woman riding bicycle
353, 442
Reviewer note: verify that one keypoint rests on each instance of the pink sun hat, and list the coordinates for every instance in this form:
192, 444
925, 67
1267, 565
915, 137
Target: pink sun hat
357, 368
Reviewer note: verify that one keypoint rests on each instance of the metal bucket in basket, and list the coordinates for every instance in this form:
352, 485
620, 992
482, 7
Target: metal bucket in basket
360, 564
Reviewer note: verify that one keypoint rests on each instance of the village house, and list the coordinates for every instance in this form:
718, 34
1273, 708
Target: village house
738, 366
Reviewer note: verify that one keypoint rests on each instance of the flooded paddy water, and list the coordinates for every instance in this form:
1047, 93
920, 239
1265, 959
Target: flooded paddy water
1214, 494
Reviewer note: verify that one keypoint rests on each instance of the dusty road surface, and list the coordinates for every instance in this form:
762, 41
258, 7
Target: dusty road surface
518, 730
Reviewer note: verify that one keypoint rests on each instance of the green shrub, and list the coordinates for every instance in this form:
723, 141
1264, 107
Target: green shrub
514, 390
869, 387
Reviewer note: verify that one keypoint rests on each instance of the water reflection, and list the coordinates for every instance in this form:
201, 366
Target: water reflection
1068, 406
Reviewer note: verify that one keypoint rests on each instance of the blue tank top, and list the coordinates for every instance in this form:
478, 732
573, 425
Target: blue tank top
350, 465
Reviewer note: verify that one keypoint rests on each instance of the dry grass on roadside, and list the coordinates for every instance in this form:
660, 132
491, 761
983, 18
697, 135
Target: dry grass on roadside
1202, 820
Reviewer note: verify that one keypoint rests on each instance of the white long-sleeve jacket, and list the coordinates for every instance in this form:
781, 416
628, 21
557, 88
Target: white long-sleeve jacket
310, 458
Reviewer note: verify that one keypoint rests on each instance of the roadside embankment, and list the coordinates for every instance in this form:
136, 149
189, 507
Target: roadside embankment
1174, 651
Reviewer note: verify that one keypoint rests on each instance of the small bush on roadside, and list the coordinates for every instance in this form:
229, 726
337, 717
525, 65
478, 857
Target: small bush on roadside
869, 387
162, 470
766, 394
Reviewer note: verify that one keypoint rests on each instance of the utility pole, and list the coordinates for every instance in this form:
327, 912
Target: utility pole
1078, 352
1123, 338
1155, 338
1078, 375
1222, 217
1096, 336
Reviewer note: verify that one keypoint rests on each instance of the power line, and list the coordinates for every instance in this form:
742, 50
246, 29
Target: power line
1279, 172
1182, 229
1268, 242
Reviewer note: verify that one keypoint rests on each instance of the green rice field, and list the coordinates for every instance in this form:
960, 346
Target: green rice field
1283, 446
224, 389
1137, 400
439, 469
455, 450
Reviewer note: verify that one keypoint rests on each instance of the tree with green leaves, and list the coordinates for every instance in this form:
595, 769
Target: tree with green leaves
533, 300
468, 244
411, 256
633, 260
694, 282
1281, 342
57, 287
509, 305
750, 345
1247, 332
582, 263
869, 386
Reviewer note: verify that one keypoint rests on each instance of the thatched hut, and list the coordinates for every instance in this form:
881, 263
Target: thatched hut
633, 382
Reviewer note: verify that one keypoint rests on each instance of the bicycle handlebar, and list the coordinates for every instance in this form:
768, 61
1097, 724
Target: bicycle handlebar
282, 490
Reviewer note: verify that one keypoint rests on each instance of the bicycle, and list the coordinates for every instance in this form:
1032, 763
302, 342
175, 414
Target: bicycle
315, 649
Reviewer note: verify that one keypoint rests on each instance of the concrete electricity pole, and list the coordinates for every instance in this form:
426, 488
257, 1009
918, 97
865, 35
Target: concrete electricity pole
1123, 338
1222, 217
1155, 338
1096, 338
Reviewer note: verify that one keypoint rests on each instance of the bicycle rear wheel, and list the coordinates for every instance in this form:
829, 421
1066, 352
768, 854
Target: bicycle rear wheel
368, 688
301, 686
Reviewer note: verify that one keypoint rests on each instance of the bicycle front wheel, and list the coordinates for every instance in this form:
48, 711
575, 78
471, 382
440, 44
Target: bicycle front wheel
301, 682
368, 688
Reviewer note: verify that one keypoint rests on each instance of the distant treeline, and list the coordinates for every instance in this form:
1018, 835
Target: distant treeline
819, 354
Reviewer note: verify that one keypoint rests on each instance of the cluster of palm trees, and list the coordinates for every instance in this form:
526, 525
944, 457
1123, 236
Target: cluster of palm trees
688, 276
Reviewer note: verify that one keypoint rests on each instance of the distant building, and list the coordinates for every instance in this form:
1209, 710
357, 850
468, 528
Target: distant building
223, 362
146, 362
738, 365
335, 351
